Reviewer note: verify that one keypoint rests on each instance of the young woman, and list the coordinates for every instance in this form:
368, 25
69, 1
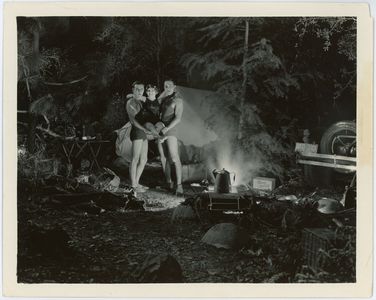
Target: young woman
149, 116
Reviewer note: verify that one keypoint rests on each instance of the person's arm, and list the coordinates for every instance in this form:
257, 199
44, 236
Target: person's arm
132, 112
161, 96
178, 115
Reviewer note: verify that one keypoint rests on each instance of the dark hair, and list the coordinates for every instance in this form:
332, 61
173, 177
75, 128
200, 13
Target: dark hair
137, 83
170, 79
152, 86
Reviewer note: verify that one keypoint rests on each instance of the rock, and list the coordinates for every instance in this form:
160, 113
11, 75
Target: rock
227, 236
159, 269
183, 212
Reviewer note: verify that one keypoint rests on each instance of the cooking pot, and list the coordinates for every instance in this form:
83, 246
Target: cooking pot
222, 181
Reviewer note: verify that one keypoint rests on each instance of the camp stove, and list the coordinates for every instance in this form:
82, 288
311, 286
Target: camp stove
223, 202
229, 201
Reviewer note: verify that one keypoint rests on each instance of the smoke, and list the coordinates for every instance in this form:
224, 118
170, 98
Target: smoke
258, 153
243, 168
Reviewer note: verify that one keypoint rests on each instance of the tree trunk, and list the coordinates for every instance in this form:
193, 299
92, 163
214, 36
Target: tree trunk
244, 83
32, 122
35, 31
31, 117
158, 52
34, 68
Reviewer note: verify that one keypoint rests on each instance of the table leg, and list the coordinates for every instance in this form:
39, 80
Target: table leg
81, 149
71, 150
68, 154
95, 155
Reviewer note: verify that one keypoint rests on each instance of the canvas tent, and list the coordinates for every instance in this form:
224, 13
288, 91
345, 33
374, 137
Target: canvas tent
192, 130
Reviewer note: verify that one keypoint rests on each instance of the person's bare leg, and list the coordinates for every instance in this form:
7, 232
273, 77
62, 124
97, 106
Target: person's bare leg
159, 126
162, 157
136, 152
142, 161
173, 149
170, 184
163, 152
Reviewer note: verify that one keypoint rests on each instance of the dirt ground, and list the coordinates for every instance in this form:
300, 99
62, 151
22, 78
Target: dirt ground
111, 245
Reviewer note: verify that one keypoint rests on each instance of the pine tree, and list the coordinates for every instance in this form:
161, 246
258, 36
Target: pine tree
251, 74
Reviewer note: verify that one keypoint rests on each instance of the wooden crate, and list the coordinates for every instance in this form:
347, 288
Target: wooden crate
263, 183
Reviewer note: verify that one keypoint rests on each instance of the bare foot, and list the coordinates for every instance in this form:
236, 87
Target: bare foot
179, 190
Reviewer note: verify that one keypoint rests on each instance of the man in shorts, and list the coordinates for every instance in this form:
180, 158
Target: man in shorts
137, 136
171, 114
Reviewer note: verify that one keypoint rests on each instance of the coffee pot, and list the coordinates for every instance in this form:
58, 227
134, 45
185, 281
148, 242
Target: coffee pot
222, 181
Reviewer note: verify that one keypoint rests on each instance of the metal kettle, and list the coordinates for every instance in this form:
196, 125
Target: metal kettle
222, 181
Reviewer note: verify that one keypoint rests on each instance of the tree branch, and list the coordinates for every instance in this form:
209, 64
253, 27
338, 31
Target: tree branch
344, 88
65, 83
49, 132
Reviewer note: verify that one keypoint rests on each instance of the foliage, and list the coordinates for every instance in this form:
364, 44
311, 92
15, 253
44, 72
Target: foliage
265, 69
327, 29
26, 162
115, 116
140, 49
117, 38
333, 41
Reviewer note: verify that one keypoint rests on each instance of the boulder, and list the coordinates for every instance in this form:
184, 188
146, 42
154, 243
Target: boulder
182, 213
227, 236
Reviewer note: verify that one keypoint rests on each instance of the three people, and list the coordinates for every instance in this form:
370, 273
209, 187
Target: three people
158, 118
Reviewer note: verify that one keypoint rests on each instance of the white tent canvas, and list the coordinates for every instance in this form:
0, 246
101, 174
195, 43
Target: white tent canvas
192, 129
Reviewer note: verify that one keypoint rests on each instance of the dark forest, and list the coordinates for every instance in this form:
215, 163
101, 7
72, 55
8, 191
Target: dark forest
272, 82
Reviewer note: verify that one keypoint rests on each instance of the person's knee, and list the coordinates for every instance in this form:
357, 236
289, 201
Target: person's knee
175, 159
149, 126
135, 160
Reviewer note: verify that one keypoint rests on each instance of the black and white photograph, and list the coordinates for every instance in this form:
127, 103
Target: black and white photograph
187, 149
